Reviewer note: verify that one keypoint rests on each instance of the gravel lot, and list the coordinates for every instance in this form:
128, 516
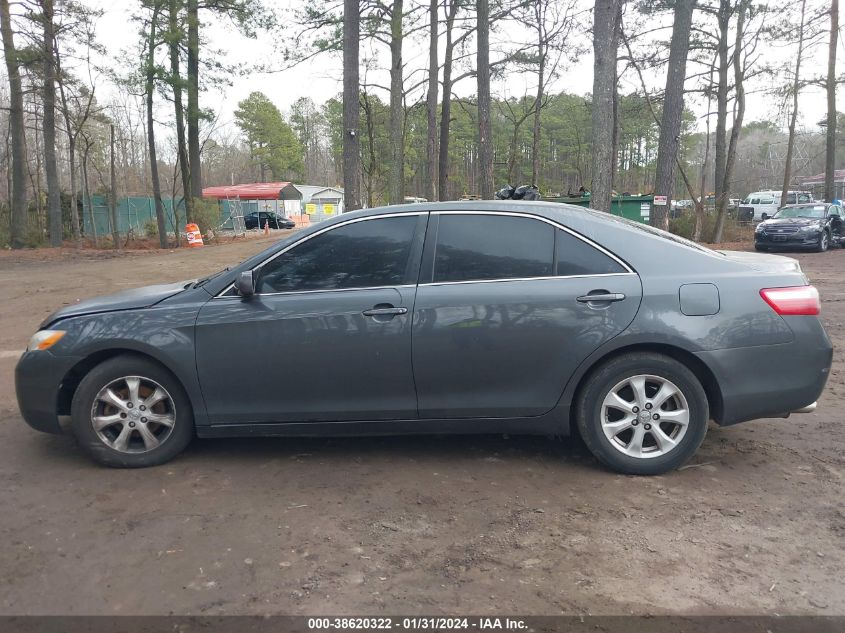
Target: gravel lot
754, 525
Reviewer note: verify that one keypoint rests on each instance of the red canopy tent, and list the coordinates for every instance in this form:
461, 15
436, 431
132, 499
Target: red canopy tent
254, 191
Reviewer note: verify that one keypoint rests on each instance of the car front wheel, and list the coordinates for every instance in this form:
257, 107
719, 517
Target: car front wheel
824, 242
642, 413
130, 412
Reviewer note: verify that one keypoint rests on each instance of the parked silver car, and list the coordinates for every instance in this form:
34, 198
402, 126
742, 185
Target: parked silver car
464, 317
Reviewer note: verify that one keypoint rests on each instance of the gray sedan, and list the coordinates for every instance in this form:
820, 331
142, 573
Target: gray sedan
465, 317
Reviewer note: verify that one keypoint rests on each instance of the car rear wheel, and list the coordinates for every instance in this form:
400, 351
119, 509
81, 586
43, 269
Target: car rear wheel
130, 412
642, 413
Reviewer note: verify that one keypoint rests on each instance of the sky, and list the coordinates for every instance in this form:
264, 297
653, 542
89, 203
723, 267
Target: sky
321, 77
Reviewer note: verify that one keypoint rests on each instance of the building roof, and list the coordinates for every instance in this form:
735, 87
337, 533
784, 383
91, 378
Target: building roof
818, 179
254, 191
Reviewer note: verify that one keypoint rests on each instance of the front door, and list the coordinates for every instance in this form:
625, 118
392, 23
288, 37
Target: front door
326, 337
507, 308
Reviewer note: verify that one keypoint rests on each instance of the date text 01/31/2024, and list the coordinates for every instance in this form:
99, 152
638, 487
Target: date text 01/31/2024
415, 623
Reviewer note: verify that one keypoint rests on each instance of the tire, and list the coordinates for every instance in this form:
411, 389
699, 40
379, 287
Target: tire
824, 242
602, 422
760, 248
158, 433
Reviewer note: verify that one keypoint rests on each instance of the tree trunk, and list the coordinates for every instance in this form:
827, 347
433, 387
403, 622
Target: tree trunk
485, 130
720, 158
605, 43
351, 105
796, 87
151, 141
18, 198
74, 211
182, 151
673, 109
115, 233
431, 105
538, 103
86, 192
830, 138
54, 200
446, 106
396, 124
730, 158
193, 100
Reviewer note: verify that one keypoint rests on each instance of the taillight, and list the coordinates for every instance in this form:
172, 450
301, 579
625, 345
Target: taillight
792, 301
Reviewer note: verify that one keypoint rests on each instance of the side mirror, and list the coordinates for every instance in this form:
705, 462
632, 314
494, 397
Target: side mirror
245, 284
765, 216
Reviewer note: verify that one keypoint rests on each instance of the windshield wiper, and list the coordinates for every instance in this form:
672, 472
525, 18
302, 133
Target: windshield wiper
201, 282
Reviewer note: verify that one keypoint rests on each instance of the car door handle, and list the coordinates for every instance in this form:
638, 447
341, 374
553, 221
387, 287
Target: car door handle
606, 297
386, 311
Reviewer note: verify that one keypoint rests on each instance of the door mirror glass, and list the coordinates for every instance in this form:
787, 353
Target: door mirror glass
765, 216
244, 284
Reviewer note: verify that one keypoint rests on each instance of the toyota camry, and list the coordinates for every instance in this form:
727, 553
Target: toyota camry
464, 317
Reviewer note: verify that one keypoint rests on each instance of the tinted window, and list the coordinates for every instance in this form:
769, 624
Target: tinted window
576, 257
473, 247
359, 255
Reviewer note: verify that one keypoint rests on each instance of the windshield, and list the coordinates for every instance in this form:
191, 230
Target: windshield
810, 211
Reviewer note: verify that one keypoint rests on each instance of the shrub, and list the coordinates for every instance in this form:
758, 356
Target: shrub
151, 229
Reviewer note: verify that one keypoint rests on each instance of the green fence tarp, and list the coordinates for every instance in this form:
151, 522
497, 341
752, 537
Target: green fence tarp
637, 208
132, 212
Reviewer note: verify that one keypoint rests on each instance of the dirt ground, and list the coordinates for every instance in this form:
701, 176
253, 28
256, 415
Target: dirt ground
754, 525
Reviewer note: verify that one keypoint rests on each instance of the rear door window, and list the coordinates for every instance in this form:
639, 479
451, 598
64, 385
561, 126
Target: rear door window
483, 247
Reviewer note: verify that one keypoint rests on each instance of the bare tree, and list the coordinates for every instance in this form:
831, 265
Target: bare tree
744, 46
150, 73
193, 100
115, 232
431, 101
18, 197
796, 88
54, 202
830, 136
673, 110
351, 105
396, 124
485, 130
174, 39
606, 20
446, 105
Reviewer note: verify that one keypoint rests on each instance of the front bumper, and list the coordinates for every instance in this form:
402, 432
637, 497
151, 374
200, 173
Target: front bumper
792, 240
771, 381
38, 379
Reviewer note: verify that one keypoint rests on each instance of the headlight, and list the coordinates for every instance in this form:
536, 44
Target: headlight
809, 229
759, 228
44, 339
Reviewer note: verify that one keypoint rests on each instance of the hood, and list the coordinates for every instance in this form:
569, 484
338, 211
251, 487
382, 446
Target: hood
143, 297
763, 262
791, 222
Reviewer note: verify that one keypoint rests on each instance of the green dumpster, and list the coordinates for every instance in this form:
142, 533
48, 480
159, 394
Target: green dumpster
636, 208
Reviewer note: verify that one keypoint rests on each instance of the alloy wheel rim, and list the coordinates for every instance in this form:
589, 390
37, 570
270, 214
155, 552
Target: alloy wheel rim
645, 416
133, 414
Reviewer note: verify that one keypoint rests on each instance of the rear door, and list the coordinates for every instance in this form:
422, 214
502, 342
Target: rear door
503, 313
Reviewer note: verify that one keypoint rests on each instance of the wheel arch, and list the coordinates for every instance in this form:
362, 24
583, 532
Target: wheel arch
704, 374
70, 381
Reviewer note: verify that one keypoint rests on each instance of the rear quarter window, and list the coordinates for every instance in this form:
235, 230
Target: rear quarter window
573, 256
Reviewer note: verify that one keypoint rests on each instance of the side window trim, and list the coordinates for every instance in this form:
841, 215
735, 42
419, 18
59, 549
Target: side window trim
224, 294
431, 239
